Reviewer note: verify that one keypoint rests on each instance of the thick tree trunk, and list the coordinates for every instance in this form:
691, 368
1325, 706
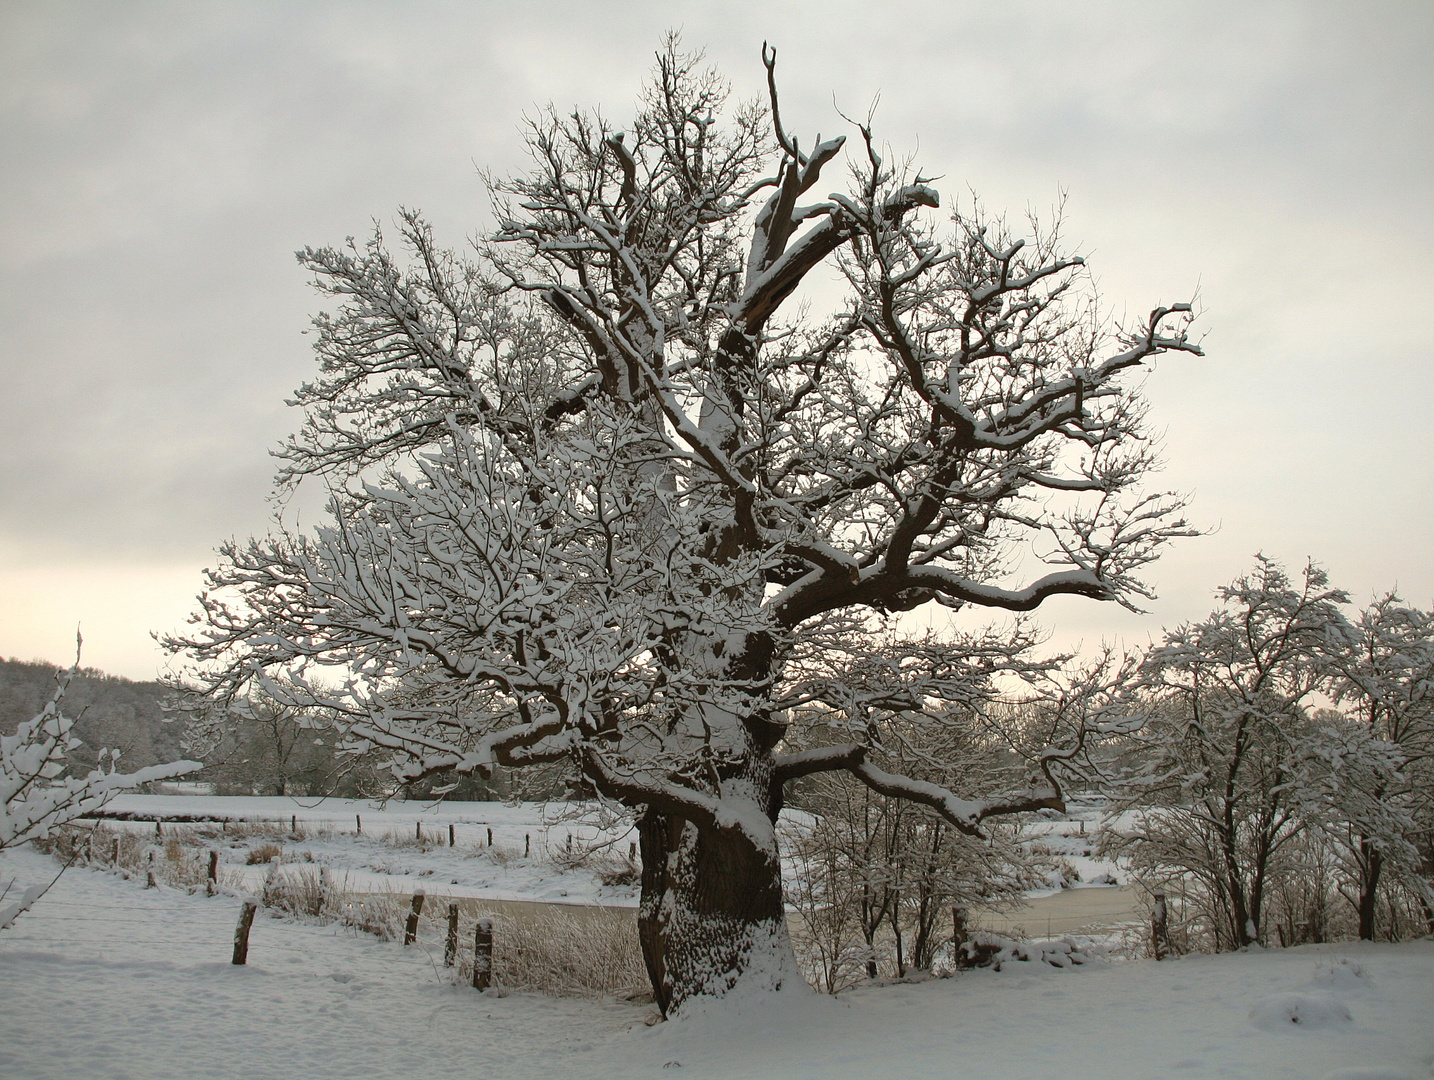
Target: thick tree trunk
711, 916
1372, 862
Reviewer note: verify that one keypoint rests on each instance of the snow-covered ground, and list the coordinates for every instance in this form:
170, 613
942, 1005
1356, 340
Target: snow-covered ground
500, 851
382, 859
107, 979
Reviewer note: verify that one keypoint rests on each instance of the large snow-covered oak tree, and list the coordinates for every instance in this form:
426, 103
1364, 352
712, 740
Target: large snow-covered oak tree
603, 492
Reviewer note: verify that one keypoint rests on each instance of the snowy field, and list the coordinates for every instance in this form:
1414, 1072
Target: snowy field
487, 860
108, 979
382, 859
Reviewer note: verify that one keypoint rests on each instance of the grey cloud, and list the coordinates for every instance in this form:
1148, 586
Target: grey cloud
164, 160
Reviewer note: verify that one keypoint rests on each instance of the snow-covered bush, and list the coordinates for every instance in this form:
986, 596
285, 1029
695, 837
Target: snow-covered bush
1272, 819
996, 951
876, 877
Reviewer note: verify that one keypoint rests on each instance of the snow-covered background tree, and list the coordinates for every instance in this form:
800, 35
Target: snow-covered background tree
1249, 798
602, 496
1386, 678
266, 745
875, 878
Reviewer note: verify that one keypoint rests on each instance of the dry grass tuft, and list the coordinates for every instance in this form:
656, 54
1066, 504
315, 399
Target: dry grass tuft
262, 854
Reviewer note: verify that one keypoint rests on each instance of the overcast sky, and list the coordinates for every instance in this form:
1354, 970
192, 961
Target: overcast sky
160, 163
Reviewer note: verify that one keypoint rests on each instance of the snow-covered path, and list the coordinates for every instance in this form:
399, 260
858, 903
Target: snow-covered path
105, 979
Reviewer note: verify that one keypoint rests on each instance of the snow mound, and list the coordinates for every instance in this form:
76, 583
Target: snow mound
1283, 1011
1373, 1072
995, 951
1341, 973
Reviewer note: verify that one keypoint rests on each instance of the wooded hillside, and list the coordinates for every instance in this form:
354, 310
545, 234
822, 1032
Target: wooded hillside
110, 711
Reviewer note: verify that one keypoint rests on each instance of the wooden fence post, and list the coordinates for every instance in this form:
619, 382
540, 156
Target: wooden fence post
358, 824
632, 851
410, 928
149, 871
241, 932
450, 948
490, 837
294, 824
158, 830
213, 871
451, 835
482, 954
1160, 928
418, 831
570, 843
527, 844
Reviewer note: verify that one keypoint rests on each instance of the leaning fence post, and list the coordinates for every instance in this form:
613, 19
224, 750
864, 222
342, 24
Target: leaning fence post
241, 932
410, 928
482, 954
450, 948
1159, 928
213, 871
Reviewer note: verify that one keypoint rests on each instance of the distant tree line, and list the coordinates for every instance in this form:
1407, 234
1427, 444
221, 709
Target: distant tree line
110, 712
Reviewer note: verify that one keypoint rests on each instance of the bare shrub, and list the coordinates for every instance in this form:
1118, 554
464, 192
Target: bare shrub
379, 914
614, 870
503, 856
175, 863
